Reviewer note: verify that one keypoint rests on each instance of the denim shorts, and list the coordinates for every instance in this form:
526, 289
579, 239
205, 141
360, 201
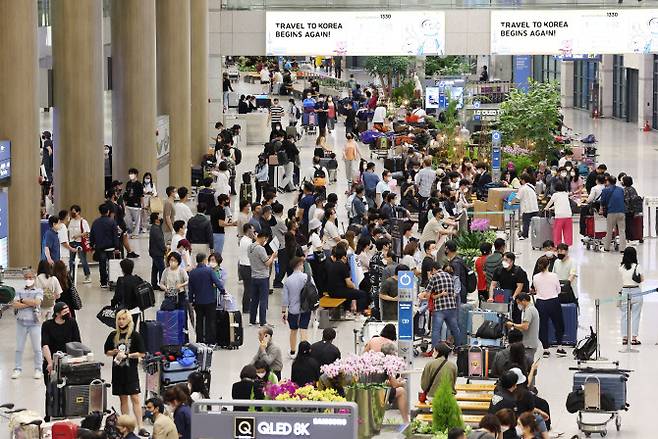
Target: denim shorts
299, 321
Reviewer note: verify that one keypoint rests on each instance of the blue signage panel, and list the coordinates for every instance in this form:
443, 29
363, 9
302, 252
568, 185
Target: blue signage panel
5, 159
522, 71
406, 289
4, 215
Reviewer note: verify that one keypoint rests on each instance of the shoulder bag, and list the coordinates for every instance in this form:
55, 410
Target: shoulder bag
84, 239
637, 277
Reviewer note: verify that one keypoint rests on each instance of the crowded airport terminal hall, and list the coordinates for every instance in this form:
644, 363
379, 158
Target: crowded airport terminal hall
328, 219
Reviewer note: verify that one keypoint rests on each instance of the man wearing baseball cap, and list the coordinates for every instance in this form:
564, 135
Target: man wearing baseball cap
503, 397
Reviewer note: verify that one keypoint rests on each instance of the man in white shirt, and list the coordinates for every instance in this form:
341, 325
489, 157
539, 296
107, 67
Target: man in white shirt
65, 248
596, 191
527, 197
382, 187
265, 80
425, 179
379, 117
244, 266
181, 209
418, 111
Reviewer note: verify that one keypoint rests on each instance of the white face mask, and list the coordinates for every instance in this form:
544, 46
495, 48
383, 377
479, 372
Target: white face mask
505, 264
29, 283
549, 254
434, 253
212, 264
573, 174
563, 174
260, 374
147, 180
519, 431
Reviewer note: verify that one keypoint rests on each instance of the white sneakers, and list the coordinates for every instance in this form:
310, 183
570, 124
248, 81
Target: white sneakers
87, 280
17, 373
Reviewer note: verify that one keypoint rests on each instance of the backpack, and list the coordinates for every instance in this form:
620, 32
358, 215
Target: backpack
48, 295
635, 204
586, 347
309, 299
349, 206
238, 156
471, 281
319, 177
297, 113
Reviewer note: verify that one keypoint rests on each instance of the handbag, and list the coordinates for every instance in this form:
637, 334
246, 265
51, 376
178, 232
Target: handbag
156, 205
84, 240
75, 298
637, 278
107, 316
490, 330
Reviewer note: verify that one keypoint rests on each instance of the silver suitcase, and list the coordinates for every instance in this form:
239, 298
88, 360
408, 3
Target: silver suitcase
541, 229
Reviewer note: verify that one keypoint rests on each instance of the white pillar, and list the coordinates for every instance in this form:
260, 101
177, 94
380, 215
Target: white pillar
606, 87
566, 84
645, 90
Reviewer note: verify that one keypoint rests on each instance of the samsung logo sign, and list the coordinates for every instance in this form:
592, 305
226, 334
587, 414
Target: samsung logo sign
329, 421
284, 428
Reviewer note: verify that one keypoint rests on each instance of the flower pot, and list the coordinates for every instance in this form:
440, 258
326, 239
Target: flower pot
372, 407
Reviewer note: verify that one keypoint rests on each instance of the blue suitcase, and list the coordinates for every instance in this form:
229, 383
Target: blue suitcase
173, 372
462, 321
173, 326
570, 317
151, 331
613, 384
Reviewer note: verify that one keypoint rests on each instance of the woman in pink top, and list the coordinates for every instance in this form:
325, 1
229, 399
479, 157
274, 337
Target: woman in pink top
388, 335
547, 289
331, 113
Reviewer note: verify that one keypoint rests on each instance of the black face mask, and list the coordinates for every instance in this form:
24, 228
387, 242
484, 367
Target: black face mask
561, 256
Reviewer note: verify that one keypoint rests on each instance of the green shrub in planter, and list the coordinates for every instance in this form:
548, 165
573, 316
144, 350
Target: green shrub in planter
446, 414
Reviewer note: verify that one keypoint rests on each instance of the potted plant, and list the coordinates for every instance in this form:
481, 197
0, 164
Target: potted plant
366, 376
446, 413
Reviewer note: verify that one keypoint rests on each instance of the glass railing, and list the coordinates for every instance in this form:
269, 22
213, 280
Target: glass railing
422, 4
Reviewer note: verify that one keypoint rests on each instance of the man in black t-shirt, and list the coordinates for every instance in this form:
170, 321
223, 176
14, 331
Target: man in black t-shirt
324, 351
218, 222
55, 333
512, 278
428, 261
134, 199
339, 280
503, 397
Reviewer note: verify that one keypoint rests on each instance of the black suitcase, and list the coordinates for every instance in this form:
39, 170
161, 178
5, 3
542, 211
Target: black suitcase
80, 373
229, 329
197, 176
151, 331
79, 401
246, 192
145, 295
395, 164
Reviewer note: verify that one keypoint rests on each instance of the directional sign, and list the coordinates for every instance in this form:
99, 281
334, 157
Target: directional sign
496, 137
406, 288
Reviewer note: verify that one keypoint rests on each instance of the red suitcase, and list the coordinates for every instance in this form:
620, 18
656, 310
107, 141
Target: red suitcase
637, 228
64, 430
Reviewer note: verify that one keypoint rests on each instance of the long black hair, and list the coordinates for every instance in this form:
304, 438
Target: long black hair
197, 384
629, 258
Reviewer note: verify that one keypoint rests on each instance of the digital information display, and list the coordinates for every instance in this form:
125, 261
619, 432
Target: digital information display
569, 32
309, 33
5, 159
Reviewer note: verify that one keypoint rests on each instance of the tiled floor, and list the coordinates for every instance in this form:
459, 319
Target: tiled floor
623, 148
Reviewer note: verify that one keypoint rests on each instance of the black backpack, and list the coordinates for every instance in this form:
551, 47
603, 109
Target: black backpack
309, 299
238, 156
586, 347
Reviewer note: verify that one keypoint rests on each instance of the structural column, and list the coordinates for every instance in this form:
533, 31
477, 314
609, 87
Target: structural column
566, 84
605, 85
78, 103
133, 87
199, 77
173, 52
645, 91
19, 123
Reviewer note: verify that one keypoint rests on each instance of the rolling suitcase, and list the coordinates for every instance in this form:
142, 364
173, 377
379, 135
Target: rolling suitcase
541, 229
196, 176
80, 373
151, 332
395, 164
114, 271
246, 192
173, 326
203, 355
173, 372
637, 228
570, 317
612, 383
488, 357
64, 430
477, 317
80, 400
229, 329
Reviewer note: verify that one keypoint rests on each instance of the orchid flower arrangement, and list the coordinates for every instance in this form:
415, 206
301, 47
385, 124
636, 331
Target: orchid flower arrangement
479, 225
369, 368
288, 391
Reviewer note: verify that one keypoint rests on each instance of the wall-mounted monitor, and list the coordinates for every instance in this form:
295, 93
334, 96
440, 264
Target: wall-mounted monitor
5, 160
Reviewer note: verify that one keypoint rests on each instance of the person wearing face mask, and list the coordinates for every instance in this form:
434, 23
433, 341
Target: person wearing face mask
26, 306
429, 247
50, 245
78, 230
527, 198
163, 425
381, 187
529, 325
322, 112
249, 387
550, 252
126, 347
565, 270
509, 277
134, 199
55, 333
125, 294
149, 193
179, 408
482, 179
563, 225
547, 289
157, 248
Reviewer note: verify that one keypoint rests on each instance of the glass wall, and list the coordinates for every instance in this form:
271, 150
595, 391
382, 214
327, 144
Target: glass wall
584, 74
545, 68
655, 92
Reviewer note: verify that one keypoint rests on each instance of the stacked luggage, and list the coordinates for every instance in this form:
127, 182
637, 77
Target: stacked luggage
75, 388
476, 362
229, 330
173, 365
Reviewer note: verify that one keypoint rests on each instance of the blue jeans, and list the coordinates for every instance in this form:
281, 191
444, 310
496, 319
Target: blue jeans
22, 332
218, 242
81, 255
260, 293
450, 317
636, 311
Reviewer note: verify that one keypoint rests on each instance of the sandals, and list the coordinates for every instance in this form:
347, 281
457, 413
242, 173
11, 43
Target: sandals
635, 342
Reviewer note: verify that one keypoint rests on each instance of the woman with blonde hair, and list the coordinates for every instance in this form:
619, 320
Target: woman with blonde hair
125, 346
126, 426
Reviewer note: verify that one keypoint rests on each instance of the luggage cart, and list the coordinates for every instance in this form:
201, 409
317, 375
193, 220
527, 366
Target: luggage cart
595, 231
592, 389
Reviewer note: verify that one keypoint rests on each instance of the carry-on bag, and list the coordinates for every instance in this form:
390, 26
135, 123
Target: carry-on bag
145, 295
394, 164
173, 326
80, 373
475, 366
64, 430
476, 317
488, 357
229, 329
203, 355
81, 400
152, 332
570, 318
612, 384
246, 192
174, 372
637, 228
541, 229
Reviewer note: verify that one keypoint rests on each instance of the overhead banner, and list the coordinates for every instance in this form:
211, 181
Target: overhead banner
307, 33
569, 32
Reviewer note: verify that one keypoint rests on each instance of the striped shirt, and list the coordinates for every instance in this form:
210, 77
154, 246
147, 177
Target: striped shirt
276, 113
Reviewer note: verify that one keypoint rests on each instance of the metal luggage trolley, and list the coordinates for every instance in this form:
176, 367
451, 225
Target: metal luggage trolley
592, 389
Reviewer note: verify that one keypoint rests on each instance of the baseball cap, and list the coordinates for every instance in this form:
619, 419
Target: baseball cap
508, 380
520, 377
59, 306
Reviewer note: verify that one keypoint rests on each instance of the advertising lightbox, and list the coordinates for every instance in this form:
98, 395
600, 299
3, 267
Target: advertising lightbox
309, 33
569, 32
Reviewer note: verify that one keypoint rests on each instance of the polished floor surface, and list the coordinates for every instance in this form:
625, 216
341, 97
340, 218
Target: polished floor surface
622, 147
